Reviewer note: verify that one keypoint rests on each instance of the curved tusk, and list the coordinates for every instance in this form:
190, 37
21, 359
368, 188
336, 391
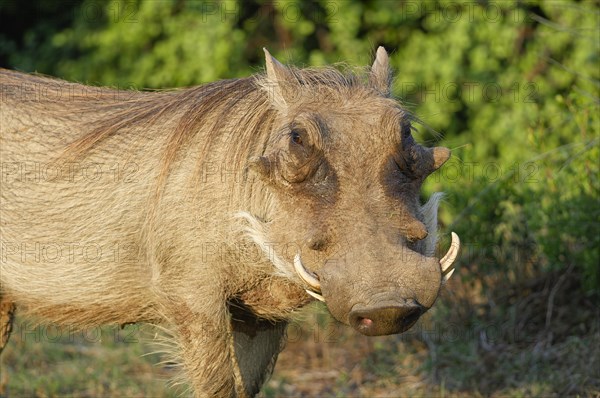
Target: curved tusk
306, 275
448, 275
447, 261
315, 295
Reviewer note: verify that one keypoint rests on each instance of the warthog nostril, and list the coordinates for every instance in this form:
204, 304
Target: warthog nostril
377, 321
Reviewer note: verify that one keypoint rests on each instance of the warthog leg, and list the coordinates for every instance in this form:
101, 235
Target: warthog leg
204, 350
254, 347
7, 311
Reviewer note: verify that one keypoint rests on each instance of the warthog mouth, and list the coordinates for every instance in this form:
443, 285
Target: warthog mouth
386, 316
312, 280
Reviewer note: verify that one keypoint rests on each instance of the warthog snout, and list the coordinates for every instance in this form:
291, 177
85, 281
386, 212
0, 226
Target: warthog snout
379, 298
382, 319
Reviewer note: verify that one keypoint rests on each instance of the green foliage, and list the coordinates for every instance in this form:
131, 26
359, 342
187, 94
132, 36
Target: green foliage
527, 183
512, 86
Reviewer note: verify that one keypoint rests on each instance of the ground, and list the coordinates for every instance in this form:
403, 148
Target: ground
538, 339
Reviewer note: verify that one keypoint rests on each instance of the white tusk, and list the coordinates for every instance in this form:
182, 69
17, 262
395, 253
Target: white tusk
447, 261
315, 295
306, 275
448, 275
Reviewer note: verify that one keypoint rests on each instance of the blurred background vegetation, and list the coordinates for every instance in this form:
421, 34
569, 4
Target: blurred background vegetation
513, 88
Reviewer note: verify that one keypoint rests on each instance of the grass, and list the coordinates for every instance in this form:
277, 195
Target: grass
438, 360
56, 362
468, 347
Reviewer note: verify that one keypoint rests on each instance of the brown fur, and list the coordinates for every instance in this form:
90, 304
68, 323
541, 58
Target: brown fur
174, 230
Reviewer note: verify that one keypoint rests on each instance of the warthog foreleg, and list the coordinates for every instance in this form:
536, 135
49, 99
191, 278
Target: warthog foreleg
204, 349
7, 311
229, 352
254, 347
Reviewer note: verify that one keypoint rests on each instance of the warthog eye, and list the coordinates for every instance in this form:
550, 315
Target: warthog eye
297, 137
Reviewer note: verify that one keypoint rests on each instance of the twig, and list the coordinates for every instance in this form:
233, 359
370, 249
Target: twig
553, 293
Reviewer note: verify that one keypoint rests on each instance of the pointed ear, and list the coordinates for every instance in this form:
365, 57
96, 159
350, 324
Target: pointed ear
380, 77
429, 160
276, 71
279, 81
440, 155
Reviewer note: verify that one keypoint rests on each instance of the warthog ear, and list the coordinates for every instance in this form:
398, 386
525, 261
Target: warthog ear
433, 158
440, 155
424, 161
280, 81
380, 77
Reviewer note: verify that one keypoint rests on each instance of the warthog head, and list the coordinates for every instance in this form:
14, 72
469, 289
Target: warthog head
345, 175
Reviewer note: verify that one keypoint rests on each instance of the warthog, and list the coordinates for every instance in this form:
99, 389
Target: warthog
217, 211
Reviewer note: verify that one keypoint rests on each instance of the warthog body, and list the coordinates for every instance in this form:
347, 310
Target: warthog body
216, 211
